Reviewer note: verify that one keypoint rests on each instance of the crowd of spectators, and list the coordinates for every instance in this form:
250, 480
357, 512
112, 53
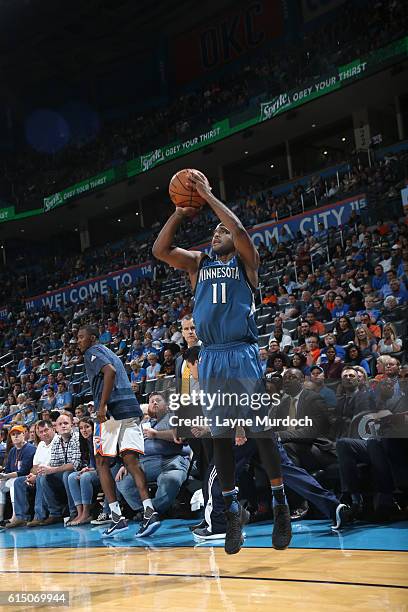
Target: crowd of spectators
359, 29
255, 204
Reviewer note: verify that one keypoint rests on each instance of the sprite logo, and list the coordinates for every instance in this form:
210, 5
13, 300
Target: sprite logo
151, 159
52, 201
270, 109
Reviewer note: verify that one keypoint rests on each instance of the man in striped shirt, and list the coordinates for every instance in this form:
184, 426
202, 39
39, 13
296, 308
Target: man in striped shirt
65, 458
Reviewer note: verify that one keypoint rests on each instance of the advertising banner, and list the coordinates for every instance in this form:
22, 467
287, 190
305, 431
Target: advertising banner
7, 214
89, 289
322, 86
281, 103
160, 156
285, 101
95, 182
226, 37
333, 215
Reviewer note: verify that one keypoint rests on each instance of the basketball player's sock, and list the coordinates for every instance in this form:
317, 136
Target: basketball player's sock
231, 500
116, 512
278, 495
147, 503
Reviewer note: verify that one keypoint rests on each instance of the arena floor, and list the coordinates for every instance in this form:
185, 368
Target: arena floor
363, 568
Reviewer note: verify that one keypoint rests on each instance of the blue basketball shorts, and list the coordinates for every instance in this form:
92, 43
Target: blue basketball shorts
233, 391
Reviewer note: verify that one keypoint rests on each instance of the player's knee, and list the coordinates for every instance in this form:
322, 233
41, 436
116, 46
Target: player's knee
102, 461
130, 458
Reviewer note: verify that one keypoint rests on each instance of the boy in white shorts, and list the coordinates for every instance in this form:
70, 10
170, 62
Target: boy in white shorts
117, 430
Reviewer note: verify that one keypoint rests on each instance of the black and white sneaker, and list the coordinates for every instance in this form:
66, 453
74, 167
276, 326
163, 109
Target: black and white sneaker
234, 537
343, 517
116, 527
199, 525
101, 519
282, 529
203, 534
150, 523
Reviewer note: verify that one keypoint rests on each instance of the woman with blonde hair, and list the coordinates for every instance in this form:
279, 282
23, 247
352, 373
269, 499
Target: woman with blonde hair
390, 343
365, 341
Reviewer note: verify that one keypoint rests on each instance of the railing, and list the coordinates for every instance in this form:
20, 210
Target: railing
3, 359
37, 341
4, 418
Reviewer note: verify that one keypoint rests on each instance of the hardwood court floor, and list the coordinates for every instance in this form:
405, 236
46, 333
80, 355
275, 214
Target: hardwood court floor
121, 577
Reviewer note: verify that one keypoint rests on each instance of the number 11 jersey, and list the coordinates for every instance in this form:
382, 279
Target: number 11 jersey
224, 307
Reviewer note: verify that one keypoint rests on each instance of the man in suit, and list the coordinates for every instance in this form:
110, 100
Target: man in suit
371, 451
306, 445
350, 402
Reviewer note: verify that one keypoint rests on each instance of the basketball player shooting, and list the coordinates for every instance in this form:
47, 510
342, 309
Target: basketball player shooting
224, 287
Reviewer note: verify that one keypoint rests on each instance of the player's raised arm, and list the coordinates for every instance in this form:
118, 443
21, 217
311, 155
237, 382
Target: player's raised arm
242, 241
164, 249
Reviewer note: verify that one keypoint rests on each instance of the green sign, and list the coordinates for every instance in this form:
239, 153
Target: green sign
285, 101
101, 180
9, 214
159, 156
6, 214
296, 97
279, 104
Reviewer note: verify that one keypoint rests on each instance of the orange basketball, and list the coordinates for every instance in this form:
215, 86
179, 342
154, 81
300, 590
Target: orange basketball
183, 195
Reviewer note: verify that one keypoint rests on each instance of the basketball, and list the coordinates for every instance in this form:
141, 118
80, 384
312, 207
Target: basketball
181, 194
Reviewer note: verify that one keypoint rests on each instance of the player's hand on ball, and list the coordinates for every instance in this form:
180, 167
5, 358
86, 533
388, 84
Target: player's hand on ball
186, 211
200, 183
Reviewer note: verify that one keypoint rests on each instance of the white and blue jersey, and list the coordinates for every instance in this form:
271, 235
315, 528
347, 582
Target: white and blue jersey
224, 303
122, 403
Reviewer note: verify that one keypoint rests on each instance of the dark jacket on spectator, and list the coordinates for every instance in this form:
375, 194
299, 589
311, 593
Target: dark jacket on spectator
20, 461
312, 405
348, 406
